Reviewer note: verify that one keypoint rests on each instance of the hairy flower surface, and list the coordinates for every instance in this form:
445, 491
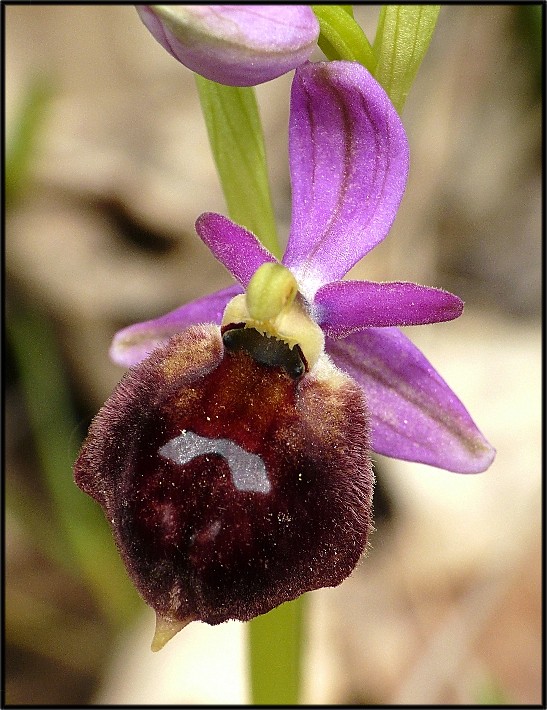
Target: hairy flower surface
233, 459
237, 45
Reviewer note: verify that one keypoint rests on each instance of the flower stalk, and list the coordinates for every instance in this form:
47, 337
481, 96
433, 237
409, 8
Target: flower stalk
275, 644
237, 145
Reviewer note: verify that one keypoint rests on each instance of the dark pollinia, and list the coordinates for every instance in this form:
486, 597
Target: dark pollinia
233, 482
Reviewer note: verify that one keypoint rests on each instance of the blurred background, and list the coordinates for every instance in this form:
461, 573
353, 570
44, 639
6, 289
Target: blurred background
107, 168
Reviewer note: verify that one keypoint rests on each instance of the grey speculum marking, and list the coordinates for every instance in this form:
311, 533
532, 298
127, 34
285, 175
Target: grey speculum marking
248, 470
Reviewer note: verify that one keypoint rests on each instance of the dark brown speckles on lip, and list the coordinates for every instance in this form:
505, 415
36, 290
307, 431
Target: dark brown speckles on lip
233, 488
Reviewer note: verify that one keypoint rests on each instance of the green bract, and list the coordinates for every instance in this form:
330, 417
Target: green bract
402, 39
340, 37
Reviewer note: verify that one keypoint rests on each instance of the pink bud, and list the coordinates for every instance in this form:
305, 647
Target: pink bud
237, 45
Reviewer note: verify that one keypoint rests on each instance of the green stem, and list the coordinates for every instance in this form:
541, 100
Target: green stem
22, 143
237, 143
276, 654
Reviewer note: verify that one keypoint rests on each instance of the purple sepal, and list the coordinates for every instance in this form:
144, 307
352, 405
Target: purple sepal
135, 343
415, 415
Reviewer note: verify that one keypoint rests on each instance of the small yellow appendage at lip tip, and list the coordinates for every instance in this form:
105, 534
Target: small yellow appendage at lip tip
165, 630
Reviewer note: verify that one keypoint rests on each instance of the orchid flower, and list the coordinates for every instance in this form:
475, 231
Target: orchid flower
233, 459
237, 45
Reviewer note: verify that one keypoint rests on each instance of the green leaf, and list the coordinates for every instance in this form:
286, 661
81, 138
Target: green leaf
341, 37
84, 542
237, 143
402, 39
276, 654
21, 144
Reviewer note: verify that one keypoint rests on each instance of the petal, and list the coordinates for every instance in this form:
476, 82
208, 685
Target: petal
415, 415
135, 343
237, 45
229, 487
343, 307
238, 249
349, 164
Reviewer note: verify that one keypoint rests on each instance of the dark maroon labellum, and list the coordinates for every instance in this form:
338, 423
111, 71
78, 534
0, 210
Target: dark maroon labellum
232, 480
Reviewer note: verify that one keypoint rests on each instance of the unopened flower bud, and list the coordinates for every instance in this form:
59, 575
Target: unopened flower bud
238, 45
